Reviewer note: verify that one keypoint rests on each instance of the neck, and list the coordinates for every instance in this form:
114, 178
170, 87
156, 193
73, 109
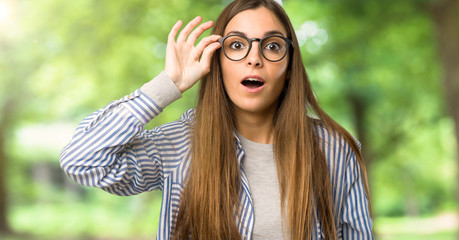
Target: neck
256, 127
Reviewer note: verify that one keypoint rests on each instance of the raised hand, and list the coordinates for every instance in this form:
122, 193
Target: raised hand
185, 62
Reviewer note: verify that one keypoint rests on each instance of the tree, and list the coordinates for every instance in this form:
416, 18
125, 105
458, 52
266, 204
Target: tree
13, 96
62, 60
377, 74
445, 15
372, 64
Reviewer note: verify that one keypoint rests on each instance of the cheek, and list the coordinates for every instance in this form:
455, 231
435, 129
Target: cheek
230, 73
225, 72
280, 73
225, 65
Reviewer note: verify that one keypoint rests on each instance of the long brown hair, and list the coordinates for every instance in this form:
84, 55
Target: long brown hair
210, 195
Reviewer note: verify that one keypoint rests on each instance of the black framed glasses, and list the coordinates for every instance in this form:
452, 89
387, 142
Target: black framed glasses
273, 48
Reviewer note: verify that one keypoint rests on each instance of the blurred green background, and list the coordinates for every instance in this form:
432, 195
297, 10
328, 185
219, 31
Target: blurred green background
378, 67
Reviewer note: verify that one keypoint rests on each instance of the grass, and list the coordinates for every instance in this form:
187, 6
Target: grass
123, 220
112, 218
440, 227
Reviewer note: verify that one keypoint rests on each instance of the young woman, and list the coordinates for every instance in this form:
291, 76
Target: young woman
256, 159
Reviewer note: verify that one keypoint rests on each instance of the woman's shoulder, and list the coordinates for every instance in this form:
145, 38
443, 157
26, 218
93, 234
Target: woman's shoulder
175, 131
188, 117
335, 146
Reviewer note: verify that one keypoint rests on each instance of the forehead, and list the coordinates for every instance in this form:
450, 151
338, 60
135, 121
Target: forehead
255, 23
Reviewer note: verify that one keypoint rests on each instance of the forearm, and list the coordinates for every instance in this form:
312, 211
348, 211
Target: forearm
106, 151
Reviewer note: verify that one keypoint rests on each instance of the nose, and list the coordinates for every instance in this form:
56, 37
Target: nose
254, 58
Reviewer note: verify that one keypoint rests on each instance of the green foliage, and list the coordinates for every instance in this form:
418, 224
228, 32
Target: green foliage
87, 53
383, 57
99, 214
61, 60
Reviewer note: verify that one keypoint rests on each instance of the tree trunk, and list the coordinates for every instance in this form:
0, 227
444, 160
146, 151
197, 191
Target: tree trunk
7, 111
359, 109
4, 226
445, 15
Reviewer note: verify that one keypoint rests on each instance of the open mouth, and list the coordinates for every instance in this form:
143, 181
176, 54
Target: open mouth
252, 83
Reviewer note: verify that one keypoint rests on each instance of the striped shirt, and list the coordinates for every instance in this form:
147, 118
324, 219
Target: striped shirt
111, 150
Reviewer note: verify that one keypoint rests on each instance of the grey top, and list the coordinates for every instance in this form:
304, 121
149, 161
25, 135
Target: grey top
260, 167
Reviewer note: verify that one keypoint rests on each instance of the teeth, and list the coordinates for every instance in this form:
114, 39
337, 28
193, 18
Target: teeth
253, 79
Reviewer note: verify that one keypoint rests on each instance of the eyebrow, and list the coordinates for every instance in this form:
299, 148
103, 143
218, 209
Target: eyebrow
273, 32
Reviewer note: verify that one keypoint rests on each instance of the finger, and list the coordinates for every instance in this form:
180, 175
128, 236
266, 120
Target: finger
207, 55
192, 24
198, 31
204, 43
174, 30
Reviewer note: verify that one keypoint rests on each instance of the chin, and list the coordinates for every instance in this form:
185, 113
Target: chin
254, 108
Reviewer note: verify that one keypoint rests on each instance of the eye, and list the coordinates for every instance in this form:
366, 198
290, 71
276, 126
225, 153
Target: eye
236, 45
273, 47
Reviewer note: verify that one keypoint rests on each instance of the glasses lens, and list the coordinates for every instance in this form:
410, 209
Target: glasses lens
274, 48
235, 47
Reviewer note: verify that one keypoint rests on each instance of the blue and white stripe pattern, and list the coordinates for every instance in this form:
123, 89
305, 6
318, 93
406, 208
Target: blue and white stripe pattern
110, 150
350, 203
